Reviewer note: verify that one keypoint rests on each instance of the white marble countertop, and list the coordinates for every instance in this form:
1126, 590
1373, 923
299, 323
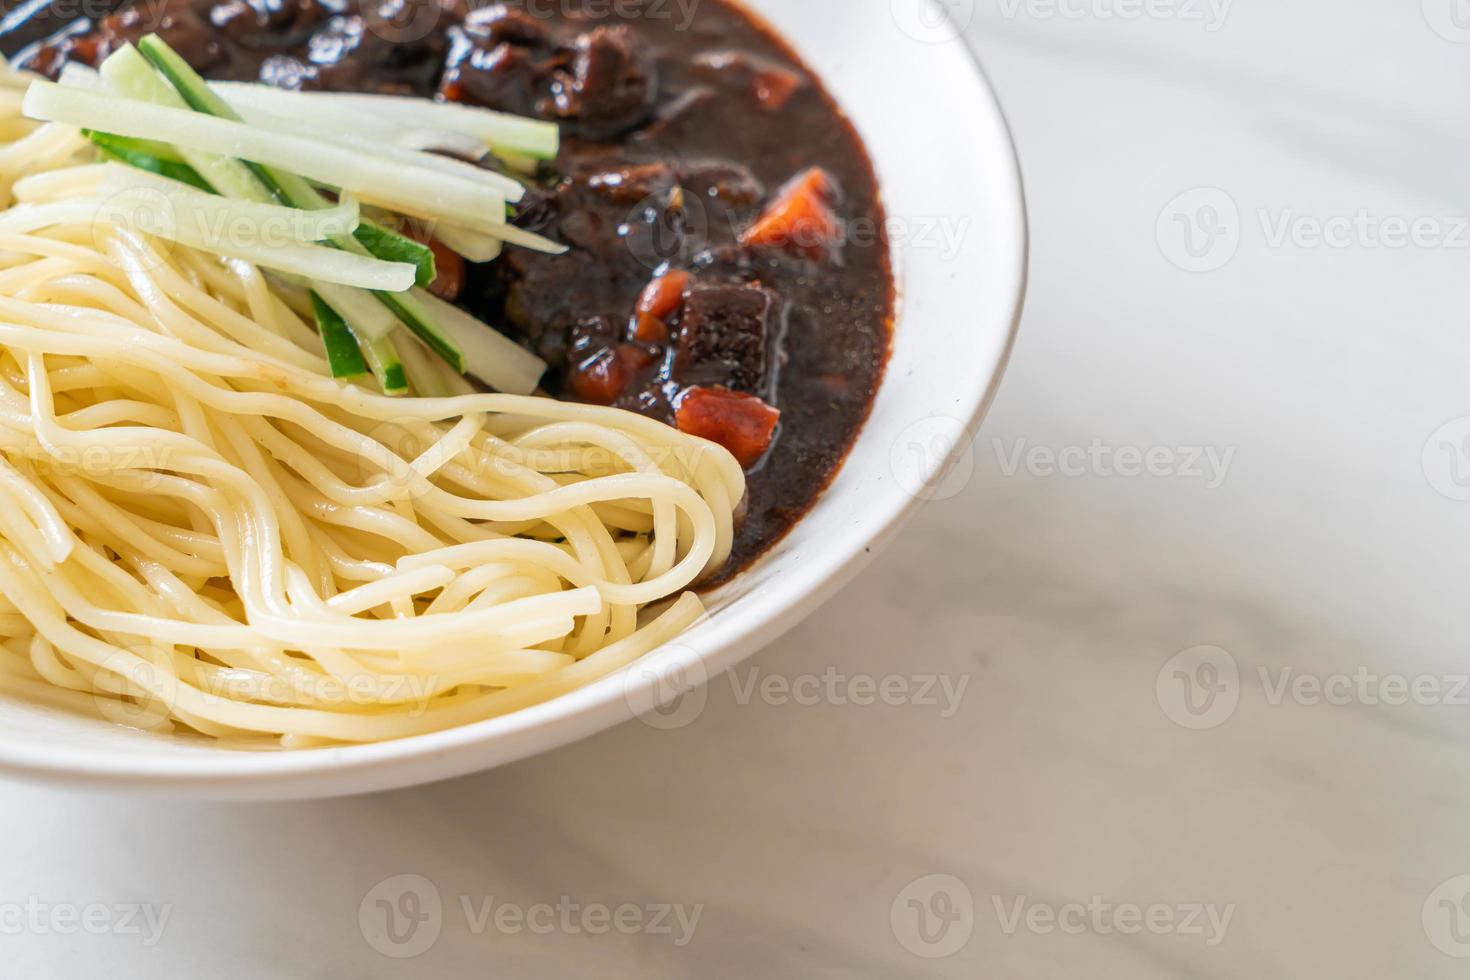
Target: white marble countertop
1209, 720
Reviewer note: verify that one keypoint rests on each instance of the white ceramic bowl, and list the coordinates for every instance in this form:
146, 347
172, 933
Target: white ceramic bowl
951, 185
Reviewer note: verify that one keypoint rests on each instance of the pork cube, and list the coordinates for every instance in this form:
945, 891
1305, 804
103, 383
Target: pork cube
726, 336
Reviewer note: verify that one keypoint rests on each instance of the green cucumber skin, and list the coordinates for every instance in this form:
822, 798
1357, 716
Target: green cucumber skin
342, 353
201, 98
292, 190
181, 172
423, 326
385, 363
395, 382
148, 148
390, 246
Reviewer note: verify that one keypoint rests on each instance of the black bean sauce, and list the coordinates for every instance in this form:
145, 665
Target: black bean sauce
680, 125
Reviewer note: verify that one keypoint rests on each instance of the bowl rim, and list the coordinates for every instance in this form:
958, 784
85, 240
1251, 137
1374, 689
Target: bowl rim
370, 767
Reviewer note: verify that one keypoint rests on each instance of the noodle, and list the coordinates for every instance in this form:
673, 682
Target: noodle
202, 532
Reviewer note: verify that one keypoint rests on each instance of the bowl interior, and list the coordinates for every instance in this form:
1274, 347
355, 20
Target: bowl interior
957, 230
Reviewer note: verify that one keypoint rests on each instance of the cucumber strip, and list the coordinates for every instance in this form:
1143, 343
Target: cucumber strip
489, 355
294, 190
375, 240
410, 310
74, 74
151, 215
520, 163
159, 151
129, 73
472, 245
370, 239
370, 319
422, 368
383, 360
390, 246
400, 305
381, 147
197, 95
181, 172
532, 137
254, 97
417, 190
343, 355
226, 217
155, 214
460, 146
509, 234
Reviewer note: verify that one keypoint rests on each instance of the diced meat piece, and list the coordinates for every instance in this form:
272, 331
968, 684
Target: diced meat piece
546, 295
590, 335
24, 25
800, 217
676, 120
335, 42
726, 262
501, 60
410, 25
772, 84
186, 29
49, 59
741, 423
623, 222
537, 211
632, 210
272, 23
611, 87
499, 24
389, 47
635, 211
726, 336
634, 182
284, 71
731, 184
499, 77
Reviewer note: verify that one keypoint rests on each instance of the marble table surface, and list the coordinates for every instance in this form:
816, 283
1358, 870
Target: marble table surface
1173, 684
